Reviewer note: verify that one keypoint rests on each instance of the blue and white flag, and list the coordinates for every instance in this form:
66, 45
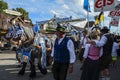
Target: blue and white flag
86, 5
36, 28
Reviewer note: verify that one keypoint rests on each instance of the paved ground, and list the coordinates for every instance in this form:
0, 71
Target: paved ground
8, 70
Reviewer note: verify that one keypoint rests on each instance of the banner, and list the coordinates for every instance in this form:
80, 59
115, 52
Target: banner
104, 5
96, 20
114, 22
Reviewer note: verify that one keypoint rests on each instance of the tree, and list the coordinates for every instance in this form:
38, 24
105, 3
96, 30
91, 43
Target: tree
3, 6
23, 12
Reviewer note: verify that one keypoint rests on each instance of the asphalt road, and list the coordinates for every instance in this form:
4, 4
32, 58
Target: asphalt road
9, 70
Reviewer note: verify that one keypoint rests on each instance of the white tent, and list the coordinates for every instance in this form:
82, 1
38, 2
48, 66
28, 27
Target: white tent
80, 24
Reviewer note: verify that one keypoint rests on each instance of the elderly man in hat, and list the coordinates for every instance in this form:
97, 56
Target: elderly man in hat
63, 54
106, 41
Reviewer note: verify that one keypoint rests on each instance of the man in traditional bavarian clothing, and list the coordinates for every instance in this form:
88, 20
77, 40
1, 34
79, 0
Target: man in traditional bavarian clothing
63, 54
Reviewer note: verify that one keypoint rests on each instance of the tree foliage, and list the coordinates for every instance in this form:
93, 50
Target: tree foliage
3, 6
23, 12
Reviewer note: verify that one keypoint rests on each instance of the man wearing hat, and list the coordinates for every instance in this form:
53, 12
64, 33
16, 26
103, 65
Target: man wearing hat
106, 42
63, 54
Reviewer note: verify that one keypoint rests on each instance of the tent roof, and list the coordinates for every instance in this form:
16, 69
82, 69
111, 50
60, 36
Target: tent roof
78, 28
80, 25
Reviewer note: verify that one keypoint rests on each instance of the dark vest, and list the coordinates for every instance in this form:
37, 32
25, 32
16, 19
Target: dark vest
107, 48
61, 53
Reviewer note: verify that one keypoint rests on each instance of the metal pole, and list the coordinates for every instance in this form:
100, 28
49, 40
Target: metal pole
88, 19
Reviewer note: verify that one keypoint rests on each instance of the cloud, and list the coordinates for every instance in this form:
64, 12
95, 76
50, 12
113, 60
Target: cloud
58, 13
54, 12
65, 7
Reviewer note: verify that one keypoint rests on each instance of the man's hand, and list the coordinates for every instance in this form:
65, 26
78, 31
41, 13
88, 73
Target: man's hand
38, 46
70, 69
48, 49
83, 60
51, 60
91, 42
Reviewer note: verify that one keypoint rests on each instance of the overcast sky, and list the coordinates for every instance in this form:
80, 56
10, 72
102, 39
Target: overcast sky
40, 10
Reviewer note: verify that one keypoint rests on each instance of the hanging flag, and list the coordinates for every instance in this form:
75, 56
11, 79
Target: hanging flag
101, 16
86, 5
36, 28
99, 19
96, 20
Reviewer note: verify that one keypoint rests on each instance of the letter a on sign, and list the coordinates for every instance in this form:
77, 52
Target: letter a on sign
104, 5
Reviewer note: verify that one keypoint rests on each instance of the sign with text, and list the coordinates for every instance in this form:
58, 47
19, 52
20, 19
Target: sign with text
114, 22
114, 13
104, 5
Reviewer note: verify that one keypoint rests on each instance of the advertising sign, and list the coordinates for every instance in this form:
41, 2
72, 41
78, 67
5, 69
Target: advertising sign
104, 5
114, 22
114, 13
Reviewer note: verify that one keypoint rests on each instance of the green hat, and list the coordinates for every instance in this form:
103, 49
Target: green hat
60, 28
105, 29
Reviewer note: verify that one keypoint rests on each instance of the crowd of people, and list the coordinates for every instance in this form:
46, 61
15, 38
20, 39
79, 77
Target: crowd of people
98, 49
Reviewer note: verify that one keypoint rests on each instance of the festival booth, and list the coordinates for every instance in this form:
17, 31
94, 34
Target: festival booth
11, 27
